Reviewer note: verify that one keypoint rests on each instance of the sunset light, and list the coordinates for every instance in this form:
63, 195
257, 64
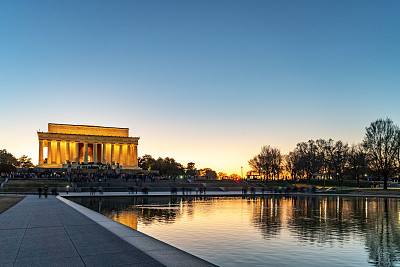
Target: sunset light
200, 133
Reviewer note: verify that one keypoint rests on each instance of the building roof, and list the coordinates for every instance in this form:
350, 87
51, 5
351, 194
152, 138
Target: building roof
87, 130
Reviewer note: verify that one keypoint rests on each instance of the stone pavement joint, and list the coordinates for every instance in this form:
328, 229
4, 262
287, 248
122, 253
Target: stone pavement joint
49, 232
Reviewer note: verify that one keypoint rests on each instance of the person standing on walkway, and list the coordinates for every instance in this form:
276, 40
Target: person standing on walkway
39, 190
46, 190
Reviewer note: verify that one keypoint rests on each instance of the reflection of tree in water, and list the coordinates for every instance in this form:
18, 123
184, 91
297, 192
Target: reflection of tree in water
328, 220
320, 220
376, 221
383, 241
267, 216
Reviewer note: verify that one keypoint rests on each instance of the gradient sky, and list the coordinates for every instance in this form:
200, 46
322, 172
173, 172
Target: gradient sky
202, 81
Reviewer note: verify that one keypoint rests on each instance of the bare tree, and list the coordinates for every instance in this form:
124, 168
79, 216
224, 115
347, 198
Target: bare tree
294, 164
310, 157
267, 162
339, 158
325, 151
382, 141
357, 162
288, 164
255, 164
276, 162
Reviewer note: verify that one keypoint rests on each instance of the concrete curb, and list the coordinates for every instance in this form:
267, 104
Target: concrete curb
216, 194
158, 250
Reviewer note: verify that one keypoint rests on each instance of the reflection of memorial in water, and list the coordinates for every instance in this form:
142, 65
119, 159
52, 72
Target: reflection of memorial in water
166, 210
131, 210
134, 209
148, 210
128, 218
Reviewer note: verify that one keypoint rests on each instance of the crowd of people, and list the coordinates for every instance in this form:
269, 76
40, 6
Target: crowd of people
83, 176
104, 177
31, 175
279, 190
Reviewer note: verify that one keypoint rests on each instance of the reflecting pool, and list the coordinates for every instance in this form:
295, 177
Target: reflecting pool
274, 231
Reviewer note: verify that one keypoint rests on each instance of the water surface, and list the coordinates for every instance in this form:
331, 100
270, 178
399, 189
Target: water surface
274, 231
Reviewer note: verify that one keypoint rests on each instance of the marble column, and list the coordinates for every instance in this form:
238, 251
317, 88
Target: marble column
67, 151
128, 155
71, 152
104, 154
135, 156
95, 153
77, 153
49, 153
131, 155
85, 144
116, 154
58, 152
62, 152
112, 154
40, 152
120, 159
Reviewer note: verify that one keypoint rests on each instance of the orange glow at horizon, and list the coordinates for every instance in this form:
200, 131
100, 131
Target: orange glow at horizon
225, 154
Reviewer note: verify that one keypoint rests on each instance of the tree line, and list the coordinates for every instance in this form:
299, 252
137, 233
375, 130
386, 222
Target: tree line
9, 163
377, 155
169, 167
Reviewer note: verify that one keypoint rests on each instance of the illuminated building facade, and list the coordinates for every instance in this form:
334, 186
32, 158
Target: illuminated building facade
77, 144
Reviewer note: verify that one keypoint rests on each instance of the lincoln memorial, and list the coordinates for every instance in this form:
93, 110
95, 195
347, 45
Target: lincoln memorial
86, 144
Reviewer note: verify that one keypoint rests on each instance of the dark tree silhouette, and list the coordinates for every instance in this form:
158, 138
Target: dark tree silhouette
311, 158
382, 141
267, 162
7, 161
25, 162
190, 169
357, 162
339, 158
208, 173
166, 166
146, 162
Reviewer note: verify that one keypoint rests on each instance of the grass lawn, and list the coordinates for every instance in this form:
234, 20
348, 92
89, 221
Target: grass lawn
32, 185
375, 191
7, 202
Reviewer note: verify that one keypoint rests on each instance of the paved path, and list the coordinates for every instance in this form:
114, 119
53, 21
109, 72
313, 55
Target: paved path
48, 232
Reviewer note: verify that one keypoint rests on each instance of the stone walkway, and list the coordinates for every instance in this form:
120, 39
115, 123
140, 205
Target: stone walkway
48, 232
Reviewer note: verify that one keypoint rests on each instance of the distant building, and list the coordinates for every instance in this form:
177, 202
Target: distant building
86, 144
253, 175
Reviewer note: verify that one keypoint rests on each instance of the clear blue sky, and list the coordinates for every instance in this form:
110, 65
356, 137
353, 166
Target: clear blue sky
203, 81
